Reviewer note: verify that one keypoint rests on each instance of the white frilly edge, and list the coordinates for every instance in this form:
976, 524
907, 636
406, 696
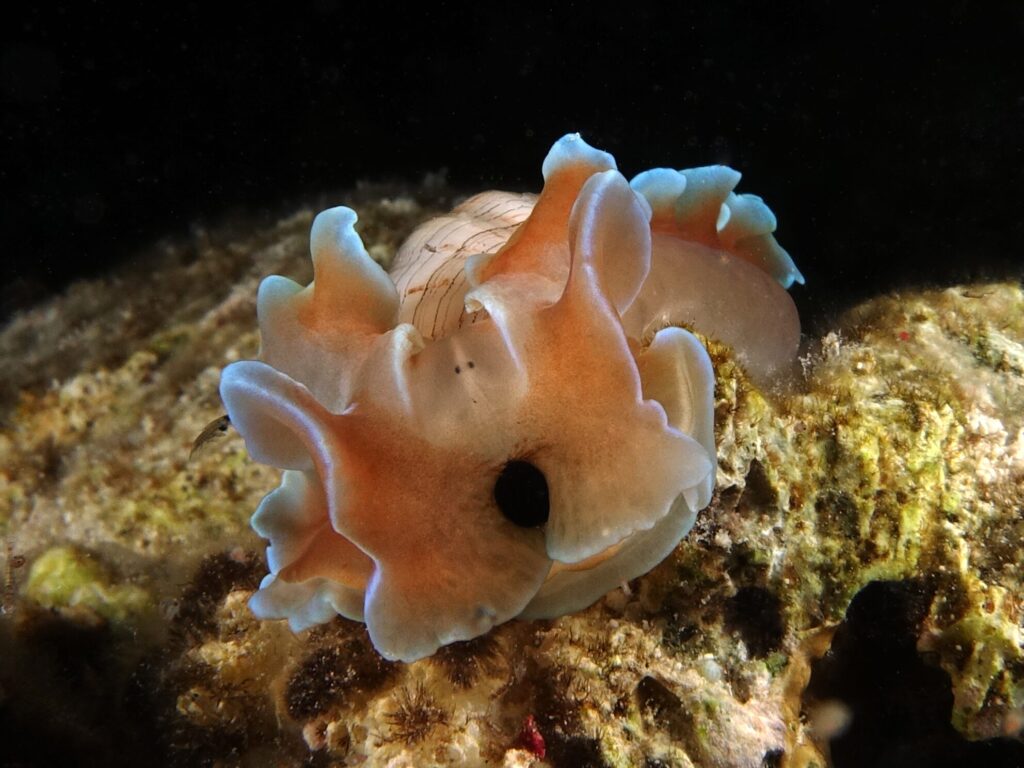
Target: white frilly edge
742, 223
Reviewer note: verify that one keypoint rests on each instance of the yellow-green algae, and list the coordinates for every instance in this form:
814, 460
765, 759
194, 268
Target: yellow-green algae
905, 458
65, 578
897, 453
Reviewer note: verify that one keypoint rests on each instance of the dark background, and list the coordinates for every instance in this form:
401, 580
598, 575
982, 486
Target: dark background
888, 140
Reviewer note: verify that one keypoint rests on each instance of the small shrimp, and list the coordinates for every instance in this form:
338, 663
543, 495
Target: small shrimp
215, 429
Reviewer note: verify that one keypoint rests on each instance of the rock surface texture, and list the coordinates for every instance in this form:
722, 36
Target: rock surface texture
896, 455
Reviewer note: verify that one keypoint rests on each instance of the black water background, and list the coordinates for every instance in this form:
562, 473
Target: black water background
887, 137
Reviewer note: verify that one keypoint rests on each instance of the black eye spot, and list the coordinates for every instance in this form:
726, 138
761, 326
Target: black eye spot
471, 364
521, 493
457, 369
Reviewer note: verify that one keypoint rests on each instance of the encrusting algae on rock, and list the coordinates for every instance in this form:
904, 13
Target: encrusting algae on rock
900, 459
62, 578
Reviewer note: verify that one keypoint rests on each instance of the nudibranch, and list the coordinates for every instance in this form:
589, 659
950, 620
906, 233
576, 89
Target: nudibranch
514, 421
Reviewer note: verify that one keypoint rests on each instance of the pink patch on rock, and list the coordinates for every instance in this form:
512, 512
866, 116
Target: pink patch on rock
530, 738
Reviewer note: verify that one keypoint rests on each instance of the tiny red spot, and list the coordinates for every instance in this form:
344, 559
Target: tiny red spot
904, 335
530, 738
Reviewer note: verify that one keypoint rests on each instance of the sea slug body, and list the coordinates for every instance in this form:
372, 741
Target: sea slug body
514, 421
